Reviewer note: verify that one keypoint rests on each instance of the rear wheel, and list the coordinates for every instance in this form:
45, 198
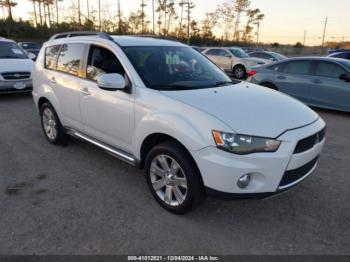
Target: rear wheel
239, 72
51, 125
269, 85
173, 178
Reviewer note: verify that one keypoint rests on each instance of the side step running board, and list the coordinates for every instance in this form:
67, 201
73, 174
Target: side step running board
113, 151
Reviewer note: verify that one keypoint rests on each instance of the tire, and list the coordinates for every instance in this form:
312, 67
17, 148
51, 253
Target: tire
269, 85
51, 125
180, 189
239, 72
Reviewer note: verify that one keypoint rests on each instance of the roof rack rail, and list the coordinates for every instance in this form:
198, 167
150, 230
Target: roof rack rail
158, 37
81, 33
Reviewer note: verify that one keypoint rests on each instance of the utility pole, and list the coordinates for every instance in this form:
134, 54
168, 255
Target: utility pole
87, 9
324, 31
188, 21
79, 13
257, 33
142, 16
99, 15
119, 18
304, 37
154, 25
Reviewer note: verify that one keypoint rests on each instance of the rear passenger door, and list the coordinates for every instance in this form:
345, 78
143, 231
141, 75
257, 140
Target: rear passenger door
294, 78
107, 115
327, 89
63, 77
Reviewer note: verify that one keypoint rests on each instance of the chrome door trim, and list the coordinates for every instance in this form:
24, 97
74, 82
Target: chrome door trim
114, 151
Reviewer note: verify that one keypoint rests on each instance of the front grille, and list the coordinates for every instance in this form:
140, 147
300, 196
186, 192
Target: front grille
13, 90
291, 176
309, 142
15, 75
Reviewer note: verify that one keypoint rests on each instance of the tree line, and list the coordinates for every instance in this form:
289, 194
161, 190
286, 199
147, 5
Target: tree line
237, 21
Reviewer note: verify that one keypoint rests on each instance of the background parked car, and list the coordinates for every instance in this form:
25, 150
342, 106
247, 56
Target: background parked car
272, 56
233, 60
31, 47
342, 54
331, 51
15, 68
321, 82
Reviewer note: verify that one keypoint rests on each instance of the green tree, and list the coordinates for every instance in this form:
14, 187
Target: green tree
240, 7
8, 4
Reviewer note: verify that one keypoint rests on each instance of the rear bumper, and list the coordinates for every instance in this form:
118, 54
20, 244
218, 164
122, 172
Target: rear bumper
19, 86
270, 173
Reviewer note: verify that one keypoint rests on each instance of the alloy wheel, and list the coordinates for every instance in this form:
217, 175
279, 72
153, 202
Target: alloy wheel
49, 124
168, 180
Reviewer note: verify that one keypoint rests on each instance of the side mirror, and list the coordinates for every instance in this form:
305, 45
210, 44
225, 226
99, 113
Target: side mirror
344, 77
228, 55
111, 82
31, 56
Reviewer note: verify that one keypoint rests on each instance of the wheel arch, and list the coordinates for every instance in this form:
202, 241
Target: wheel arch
158, 138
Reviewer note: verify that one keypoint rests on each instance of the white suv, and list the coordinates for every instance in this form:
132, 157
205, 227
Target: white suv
164, 107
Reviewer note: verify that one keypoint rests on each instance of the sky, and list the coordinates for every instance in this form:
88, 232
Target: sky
285, 20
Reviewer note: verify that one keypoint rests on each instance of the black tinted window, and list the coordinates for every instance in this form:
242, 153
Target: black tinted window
51, 56
69, 58
326, 69
297, 67
213, 52
102, 61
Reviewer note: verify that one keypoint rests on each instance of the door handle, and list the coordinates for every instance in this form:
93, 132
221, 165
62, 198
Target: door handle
317, 81
53, 80
85, 91
281, 77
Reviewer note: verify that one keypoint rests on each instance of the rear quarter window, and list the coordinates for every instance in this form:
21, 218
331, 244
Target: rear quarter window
51, 54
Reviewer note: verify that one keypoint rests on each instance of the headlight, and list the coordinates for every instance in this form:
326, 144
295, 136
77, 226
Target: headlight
244, 144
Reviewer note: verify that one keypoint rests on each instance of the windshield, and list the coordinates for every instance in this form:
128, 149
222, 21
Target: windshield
175, 68
11, 50
30, 46
345, 63
238, 53
279, 56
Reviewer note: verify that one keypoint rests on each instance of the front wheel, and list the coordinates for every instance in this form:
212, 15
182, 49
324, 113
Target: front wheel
173, 178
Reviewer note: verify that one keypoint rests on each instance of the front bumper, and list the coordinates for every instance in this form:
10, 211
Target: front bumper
18, 86
270, 172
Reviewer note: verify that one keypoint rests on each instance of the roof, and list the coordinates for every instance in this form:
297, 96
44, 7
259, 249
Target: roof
5, 40
144, 41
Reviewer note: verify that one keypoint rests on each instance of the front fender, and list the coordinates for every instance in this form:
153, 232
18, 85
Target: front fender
173, 125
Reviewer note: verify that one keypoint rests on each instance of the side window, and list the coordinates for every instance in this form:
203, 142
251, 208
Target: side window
70, 57
267, 57
51, 53
224, 53
326, 69
277, 67
102, 61
257, 55
215, 52
297, 67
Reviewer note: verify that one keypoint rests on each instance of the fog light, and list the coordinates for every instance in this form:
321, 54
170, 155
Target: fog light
243, 181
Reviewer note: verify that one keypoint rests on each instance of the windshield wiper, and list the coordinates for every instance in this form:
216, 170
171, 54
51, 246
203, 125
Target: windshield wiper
172, 87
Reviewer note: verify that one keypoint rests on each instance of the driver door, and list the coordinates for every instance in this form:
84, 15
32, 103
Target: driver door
327, 89
108, 116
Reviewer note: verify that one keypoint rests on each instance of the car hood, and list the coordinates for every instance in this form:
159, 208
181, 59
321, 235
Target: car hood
249, 109
16, 65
